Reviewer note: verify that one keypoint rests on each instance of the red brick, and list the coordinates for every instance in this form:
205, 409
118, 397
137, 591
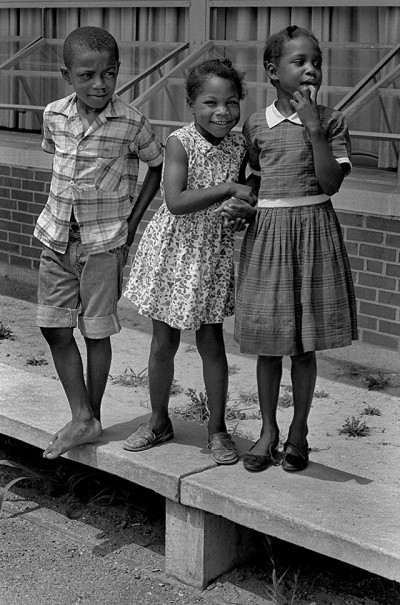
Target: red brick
383, 224
30, 252
374, 266
5, 214
362, 235
20, 262
22, 173
374, 338
27, 196
352, 248
392, 241
378, 252
4, 236
9, 181
367, 308
8, 247
33, 185
356, 263
41, 175
23, 218
354, 220
389, 327
4, 258
5, 193
40, 198
365, 293
4, 169
12, 204
367, 322
393, 270
17, 238
377, 281
389, 298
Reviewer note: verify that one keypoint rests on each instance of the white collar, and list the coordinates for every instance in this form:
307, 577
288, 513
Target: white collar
274, 117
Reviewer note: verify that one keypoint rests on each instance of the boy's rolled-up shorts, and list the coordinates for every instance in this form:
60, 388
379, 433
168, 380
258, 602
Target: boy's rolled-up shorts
76, 289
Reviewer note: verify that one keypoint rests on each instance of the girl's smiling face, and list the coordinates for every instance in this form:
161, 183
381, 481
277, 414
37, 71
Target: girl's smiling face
216, 109
93, 76
298, 67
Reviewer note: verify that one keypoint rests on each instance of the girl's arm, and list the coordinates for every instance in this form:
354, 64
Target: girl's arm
181, 200
328, 171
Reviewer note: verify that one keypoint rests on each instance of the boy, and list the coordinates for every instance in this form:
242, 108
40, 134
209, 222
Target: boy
89, 222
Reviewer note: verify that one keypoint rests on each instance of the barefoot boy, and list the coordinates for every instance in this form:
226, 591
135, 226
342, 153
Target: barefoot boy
89, 222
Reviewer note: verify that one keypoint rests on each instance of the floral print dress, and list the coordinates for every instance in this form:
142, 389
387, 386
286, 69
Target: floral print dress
183, 270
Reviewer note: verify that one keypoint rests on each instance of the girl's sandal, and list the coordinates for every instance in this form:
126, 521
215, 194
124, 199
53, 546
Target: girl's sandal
144, 438
223, 449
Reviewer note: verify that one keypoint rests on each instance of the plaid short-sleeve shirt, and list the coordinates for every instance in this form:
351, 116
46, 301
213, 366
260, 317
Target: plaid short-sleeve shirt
281, 152
94, 172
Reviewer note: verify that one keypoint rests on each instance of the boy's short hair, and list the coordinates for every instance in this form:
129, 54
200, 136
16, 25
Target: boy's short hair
89, 38
274, 46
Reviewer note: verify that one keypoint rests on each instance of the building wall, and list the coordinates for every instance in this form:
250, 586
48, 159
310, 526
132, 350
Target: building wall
373, 244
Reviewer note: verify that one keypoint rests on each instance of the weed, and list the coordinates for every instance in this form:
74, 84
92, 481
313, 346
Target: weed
191, 349
276, 591
233, 369
197, 410
285, 400
371, 411
5, 333
321, 394
36, 361
376, 382
130, 379
176, 388
355, 427
232, 413
29, 475
248, 398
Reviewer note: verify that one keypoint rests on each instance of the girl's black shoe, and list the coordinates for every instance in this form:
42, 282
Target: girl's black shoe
295, 460
257, 462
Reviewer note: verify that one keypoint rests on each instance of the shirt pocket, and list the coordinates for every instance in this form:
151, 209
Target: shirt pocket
111, 169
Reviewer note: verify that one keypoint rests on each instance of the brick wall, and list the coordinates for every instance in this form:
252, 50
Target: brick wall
373, 244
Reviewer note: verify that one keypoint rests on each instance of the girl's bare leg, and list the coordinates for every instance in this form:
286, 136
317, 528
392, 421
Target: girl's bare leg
210, 344
83, 427
269, 374
304, 376
164, 345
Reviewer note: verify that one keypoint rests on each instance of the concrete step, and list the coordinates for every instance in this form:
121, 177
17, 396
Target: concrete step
347, 517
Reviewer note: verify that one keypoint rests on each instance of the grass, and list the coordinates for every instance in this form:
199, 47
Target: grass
5, 332
371, 411
129, 378
36, 361
355, 427
377, 382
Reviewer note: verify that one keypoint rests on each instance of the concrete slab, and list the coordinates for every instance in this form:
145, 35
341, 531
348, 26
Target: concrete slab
347, 517
32, 408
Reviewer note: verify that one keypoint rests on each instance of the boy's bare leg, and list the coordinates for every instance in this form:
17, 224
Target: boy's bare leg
83, 428
98, 369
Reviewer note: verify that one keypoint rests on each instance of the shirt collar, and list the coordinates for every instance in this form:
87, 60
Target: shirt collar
115, 107
274, 117
205, 146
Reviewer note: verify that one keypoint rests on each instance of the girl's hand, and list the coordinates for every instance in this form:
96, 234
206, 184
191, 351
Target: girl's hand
304, 102
236, 213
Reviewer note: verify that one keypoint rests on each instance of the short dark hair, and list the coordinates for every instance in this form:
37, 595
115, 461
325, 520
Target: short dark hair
213, 67
275, 44
89, 38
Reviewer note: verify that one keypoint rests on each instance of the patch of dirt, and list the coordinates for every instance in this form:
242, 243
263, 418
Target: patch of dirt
77, 536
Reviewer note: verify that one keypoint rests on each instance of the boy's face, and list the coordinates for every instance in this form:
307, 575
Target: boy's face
299, 67
93, 76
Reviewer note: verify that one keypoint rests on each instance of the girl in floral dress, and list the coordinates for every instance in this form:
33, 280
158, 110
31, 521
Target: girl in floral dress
183, 276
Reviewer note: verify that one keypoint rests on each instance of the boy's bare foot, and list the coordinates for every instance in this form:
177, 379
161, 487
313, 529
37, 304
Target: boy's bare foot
72, 434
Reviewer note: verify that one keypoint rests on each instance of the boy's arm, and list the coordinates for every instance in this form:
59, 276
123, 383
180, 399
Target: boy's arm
148, 191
